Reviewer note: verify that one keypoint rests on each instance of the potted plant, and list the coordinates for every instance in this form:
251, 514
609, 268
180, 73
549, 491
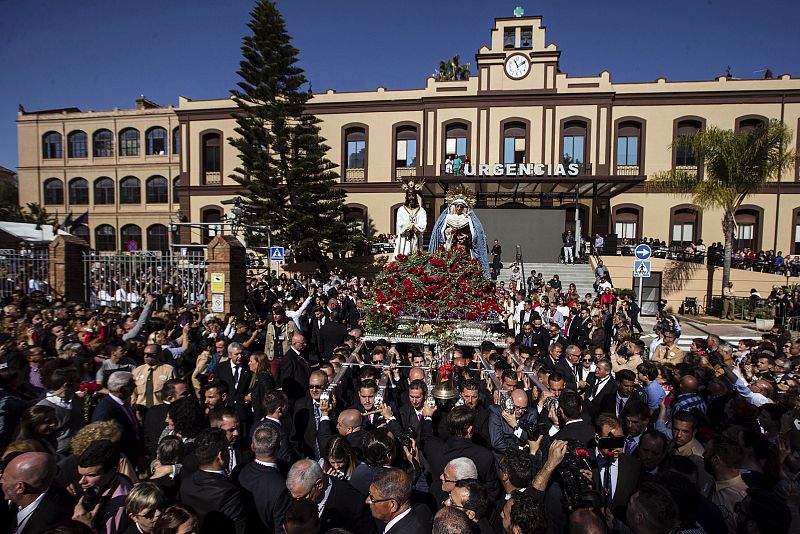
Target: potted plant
765, 318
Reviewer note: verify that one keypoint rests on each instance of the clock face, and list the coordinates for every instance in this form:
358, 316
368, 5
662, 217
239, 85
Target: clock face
517, 66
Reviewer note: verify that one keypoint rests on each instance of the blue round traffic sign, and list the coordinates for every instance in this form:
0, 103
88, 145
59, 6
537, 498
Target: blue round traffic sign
132, 246
643, 251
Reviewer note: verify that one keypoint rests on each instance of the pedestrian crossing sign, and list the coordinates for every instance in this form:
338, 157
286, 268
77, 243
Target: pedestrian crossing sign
276, 253
641, 269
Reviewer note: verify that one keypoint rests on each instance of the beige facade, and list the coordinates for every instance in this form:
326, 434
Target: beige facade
518, 108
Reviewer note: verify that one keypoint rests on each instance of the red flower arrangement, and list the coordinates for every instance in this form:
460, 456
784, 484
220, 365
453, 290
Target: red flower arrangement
87, 390
446, 285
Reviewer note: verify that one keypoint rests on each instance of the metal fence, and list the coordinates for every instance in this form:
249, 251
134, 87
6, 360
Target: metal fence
23, 270
124, 279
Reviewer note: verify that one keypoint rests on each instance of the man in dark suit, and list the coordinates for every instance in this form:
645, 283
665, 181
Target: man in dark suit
238, 457
317, 322
460, 423
571, 426
155, 419
331, 335
533, 338
236, 374
307, 417
626, 390
600, 385
554, 336
506, 429
295, 371
264, 482
569, 365
617, 488
342, 505
116, 407
219, 503
366, 403
348, 424
389, 501
525, 315
26, 478
470, 394
583, 324
410, 412
276, 406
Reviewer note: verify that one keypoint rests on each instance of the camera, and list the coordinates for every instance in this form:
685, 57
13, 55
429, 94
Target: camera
506, 402
90, 498
576, 490
406, 436
533, 430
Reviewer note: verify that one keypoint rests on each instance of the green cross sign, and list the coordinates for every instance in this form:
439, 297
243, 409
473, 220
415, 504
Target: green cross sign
518, 11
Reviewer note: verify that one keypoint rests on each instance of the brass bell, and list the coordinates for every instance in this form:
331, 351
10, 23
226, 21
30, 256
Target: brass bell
445, 388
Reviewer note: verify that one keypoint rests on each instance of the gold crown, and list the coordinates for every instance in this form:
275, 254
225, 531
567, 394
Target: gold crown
412, 185
460, 192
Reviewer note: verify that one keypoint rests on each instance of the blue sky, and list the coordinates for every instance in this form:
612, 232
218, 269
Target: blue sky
100, 55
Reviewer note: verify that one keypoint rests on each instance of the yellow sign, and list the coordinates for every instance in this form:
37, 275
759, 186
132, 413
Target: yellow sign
217, 282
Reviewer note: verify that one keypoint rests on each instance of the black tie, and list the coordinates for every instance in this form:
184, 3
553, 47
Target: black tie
607, 484
236, 377
621, 406
148, 389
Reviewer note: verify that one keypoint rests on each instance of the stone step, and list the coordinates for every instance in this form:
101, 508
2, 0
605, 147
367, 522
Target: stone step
581, 275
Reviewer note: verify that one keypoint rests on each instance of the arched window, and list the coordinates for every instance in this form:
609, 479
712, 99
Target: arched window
685, 225
80, 230
103, 144
456, 137
104, 238
747, 231
176, 140
684, 157
129, 142
211, 215
156, 190
51, 145
77, 144
175, 183
406, 150
796, 233
211, 159
629, 135
574, 143
130, 190
156, 141
514, 142
626, 222
103, 191
748, 124
53, 192
356, 215
130, 233
78, 192
157, 238
355, 156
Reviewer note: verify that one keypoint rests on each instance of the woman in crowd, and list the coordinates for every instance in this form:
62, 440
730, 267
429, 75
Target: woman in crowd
261, 383
143, 506
177, 519
339, 459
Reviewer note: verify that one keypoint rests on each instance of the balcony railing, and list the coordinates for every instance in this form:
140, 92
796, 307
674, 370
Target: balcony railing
405, 172
690, 169
355, 175
627, 170
212, 178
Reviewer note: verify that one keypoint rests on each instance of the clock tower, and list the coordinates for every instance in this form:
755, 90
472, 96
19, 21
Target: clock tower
517, 58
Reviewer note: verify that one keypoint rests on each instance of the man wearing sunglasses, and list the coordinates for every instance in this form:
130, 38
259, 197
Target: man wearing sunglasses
389, 500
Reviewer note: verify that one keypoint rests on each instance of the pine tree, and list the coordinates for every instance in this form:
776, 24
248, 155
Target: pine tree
290, 182
270, 101
317, 222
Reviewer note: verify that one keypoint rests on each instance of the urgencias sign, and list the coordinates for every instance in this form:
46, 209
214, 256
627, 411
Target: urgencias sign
521, 169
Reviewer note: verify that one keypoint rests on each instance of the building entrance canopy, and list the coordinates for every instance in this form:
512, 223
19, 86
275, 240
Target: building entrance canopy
532, 191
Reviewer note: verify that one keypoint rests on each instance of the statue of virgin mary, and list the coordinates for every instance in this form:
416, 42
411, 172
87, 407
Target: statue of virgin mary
459, 226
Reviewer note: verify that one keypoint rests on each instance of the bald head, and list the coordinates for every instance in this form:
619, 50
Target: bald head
689, 384
519, 397
350, 418
27, 476
416, 374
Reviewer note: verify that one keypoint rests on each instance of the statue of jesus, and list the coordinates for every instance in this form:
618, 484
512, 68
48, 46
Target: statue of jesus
411, 222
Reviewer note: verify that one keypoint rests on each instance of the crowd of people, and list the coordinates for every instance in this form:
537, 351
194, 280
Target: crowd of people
163, 418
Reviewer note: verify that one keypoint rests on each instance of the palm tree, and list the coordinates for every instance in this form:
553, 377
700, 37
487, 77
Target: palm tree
452, 69
737, 165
